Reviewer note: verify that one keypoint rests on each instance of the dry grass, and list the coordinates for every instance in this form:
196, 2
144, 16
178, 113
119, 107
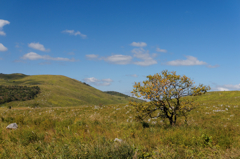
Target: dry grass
89, 132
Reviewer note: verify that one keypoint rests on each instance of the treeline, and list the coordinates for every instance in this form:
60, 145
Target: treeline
13, 76
116, 93
17, 93
86, 84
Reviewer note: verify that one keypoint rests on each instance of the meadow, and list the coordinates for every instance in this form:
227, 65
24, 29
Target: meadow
69, 119
89, 131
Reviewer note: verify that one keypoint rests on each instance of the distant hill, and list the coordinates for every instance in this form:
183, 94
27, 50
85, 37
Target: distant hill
12, 76
61, 91
122, 95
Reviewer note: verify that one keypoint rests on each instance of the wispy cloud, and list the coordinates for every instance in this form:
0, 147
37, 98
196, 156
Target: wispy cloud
38, 46
92, 56
97, 82
107, 80
227, 87
35, 56
2, 47
2, 33
188, 62
214, 66
2, 23
145, 56
72, 32
114, 59
161, 50
138, 44
118, 59
133, 75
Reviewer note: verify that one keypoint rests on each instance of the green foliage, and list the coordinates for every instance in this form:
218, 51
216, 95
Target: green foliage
207, 140
165, 92
17, 93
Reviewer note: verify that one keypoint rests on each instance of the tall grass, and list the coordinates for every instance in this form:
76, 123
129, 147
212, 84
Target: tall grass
89, 132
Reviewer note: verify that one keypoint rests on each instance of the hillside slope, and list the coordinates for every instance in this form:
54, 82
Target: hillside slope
219, 98
60, 91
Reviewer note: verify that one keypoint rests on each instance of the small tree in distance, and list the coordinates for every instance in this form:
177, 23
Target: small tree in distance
164, 92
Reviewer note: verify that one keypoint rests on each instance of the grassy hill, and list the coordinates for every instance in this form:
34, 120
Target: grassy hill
60, 91
219, 97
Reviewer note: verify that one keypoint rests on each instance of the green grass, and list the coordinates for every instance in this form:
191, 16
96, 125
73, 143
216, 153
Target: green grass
60, 91
89, 131
68, 124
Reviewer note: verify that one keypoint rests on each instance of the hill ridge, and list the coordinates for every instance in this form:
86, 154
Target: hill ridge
61, 91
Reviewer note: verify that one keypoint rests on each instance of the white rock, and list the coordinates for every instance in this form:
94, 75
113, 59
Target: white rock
12, 126
118, 140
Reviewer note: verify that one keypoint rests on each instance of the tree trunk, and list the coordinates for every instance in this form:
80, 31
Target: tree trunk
175, 119
171, 121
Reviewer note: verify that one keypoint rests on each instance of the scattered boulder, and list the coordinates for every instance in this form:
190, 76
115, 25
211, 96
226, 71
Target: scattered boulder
118, 140
12, 126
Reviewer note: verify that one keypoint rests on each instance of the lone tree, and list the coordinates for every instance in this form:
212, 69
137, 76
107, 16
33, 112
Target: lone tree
164, 92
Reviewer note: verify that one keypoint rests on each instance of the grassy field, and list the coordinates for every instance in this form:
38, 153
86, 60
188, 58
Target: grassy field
60, 91
89, 131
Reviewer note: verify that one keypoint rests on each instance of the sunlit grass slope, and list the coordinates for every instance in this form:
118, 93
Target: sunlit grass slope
226, 97
60, 91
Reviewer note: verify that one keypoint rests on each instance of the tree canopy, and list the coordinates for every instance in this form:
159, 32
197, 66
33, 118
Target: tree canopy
164, 92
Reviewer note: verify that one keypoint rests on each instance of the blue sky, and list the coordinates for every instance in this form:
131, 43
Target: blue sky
112, 44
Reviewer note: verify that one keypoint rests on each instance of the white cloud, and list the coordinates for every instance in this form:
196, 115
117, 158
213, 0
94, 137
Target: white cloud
139, 53
38, 46
35, 56
226, 87
2, 33
145, 56
91, 56
232, 87
161, 50
97, 82
118, 59
2, 47
72, 32
91, 80
2, 23
221, 89
188, 62
138, 44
